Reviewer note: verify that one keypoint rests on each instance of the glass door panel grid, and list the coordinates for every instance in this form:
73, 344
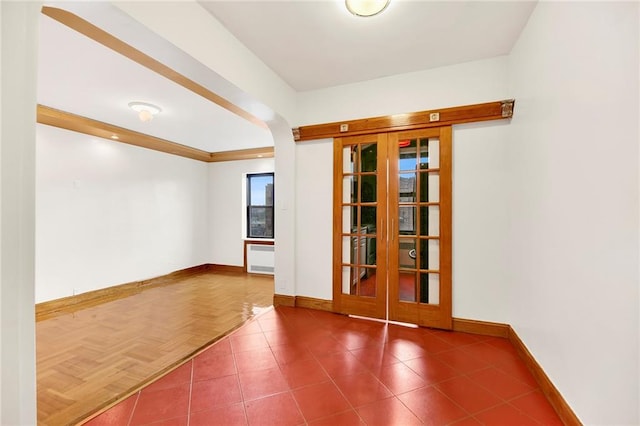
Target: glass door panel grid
359, 218
418, 230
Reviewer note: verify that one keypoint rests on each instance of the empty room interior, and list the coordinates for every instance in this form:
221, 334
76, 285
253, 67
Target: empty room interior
179, 176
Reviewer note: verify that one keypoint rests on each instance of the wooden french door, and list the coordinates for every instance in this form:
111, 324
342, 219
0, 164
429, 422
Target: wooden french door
359, 225
392, 226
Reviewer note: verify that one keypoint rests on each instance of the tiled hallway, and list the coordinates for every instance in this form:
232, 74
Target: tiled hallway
294, 366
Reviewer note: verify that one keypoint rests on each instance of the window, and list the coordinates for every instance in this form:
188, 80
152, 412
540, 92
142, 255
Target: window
260, 205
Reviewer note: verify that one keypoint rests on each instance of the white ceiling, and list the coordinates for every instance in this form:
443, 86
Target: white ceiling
81, 76
318, 44
310, 44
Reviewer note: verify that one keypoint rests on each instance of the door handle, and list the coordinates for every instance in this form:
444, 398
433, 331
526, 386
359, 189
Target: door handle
393, 229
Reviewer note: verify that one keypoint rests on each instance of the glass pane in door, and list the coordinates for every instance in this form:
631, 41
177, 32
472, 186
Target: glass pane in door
430, 221
407, 286
430, 153
430, 288
367, 218
407, 253
406, 220
368, 282
368, 157
408, 158
407, 187
424, 154
349, 189
429, 254
349, 156
349, 253
369, 189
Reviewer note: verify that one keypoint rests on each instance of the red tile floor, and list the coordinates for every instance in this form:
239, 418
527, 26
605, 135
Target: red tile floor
293, 366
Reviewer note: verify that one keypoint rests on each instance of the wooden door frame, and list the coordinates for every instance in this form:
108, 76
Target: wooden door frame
444, 119
357, 304
440, 315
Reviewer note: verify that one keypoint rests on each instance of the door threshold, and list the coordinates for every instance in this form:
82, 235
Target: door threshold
402, 324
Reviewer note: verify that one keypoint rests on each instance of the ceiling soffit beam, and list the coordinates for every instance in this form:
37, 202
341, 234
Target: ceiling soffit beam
416, 120
97, 34
242, 154
88, 126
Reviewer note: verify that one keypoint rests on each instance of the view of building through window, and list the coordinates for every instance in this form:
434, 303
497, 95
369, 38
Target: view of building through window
260, 205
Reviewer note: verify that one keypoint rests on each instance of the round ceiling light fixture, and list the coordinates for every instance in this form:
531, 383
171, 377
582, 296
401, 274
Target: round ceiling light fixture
366, 8
145, 110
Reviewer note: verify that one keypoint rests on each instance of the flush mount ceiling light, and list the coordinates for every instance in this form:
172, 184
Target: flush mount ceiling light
145, 110
366, 8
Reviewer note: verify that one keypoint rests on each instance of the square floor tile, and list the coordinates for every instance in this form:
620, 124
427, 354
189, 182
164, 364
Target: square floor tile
353, 340
221, 347
406, 349
320, 400
119, 414
456, 338
211, 367
469, 395
261, 383
518, 370
500, 383
431, 369
324, 345
493, 354
399, 378
433, 343
288, 353
388, 412
280, 409
340, 364
176, 377
208, 394
505, 415
176, 421
537, 406
346, 418
361, 389
250, 327
462, 361
273, 323
161, 405
374, 357
303, 373
247, 342
432, 406
227, 415
468, 421
281, 337
255, 359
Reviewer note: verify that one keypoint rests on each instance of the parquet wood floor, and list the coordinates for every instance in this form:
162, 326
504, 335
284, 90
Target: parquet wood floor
87, 360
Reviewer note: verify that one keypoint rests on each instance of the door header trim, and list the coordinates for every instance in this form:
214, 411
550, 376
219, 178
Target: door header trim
498, 110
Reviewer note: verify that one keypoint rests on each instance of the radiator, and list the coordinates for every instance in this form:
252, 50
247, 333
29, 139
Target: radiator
260, 259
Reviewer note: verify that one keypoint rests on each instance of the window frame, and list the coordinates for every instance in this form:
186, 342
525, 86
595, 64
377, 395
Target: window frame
250, 206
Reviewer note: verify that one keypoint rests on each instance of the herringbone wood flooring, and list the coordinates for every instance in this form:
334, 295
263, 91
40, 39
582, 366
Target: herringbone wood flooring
87, 360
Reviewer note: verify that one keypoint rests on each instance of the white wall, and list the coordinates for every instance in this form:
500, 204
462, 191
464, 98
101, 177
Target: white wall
462, 84
479, 167
480, 212
314, 219
19, 36
109, 213
246, 81
227, 189
573, 244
